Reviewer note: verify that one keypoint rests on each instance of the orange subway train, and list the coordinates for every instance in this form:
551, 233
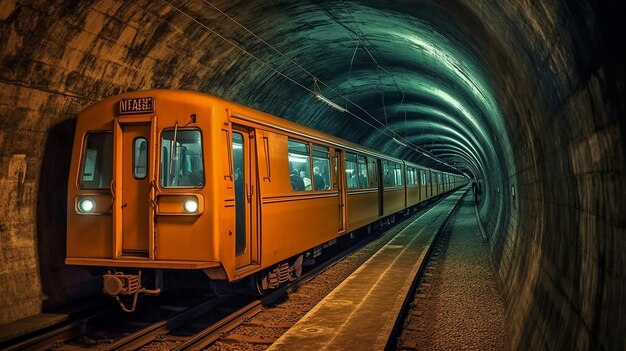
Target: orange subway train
181, 180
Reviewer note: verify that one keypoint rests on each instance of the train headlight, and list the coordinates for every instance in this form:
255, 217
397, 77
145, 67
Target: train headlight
190, 205
86, 205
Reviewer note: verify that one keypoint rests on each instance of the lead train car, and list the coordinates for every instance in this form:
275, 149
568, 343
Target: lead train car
183, 180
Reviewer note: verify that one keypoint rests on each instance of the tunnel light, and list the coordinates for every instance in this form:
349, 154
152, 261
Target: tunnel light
191, 206
86, 205
398, 141
325, 100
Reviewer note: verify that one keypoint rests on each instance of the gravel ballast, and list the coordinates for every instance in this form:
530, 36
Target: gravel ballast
457, 306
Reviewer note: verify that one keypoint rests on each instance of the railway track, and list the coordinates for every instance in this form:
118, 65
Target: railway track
190, 328
64, 337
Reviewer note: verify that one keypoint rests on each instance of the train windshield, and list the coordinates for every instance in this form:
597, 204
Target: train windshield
97, 161
181, 159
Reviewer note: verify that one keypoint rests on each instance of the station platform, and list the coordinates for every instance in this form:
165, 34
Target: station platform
361, 312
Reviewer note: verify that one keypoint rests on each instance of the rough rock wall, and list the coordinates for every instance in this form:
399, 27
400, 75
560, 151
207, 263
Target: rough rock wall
557, 245
560, 259
57, 58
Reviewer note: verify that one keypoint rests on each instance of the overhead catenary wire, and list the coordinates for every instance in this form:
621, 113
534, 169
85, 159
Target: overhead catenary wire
316, 79
385, 130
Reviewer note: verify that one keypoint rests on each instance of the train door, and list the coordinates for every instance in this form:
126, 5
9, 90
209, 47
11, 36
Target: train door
135, 189
430, 183
340, 178
381, 186
246, 196
418, 180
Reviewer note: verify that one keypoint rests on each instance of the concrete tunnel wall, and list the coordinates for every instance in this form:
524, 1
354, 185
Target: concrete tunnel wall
558, 78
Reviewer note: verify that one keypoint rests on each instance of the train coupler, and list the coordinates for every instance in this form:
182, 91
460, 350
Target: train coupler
118, 283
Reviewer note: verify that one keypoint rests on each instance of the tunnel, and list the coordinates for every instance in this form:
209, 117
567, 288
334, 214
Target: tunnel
524, 97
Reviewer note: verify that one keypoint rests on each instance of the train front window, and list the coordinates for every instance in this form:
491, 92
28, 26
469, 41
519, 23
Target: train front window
140, 158
181, 159
97, 161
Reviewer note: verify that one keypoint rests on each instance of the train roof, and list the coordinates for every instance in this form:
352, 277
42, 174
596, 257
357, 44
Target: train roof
251, 115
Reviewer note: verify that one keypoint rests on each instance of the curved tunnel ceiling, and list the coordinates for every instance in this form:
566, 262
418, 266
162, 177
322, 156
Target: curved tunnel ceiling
526, 95
397, 75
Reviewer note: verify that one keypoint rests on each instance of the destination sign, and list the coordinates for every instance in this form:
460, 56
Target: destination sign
136, 106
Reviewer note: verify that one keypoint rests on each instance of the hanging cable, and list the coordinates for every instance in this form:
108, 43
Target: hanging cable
385, 130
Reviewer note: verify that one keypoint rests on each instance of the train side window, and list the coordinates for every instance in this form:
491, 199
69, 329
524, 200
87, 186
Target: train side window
351, 171
97, 161
181, 159
299, 165
409, 176
398, 174
321, 167
362, 169
140, 158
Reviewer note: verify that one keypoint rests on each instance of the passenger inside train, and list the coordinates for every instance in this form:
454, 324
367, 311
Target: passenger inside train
297, 183
318, 178
307, 180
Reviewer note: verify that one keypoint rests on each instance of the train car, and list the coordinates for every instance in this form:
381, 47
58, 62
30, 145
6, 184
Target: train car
167, 180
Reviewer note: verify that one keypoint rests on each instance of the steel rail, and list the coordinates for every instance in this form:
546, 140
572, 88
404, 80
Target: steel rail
212, 333
150, 333
216, 330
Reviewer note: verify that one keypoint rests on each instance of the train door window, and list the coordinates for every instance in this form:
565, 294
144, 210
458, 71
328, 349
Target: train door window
408, 176
362, 172
240, 205
140, 158
335, 171
351, 171
372, 168
181, 159
299, 165
97, 161
388, 178
321, 167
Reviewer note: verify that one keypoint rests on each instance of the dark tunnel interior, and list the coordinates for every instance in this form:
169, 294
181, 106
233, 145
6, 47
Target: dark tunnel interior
527, 97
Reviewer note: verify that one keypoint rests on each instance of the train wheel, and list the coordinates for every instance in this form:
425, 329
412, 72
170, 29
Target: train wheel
256, 284
297, 267
263, 282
